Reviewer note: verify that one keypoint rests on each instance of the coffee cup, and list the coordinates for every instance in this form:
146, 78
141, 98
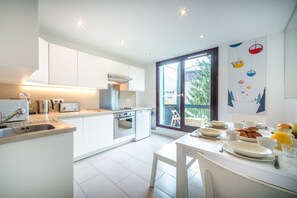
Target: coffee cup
238, 125
249, 123
267, 142
232, 135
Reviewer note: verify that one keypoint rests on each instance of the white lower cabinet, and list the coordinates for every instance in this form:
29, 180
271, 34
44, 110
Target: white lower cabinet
40, 167
78, 135
98, 132
92, 135
143, 124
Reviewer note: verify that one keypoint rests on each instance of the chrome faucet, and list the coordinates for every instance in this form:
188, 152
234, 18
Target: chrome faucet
19, 111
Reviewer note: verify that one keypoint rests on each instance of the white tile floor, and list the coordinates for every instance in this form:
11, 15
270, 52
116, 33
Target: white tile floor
125, 172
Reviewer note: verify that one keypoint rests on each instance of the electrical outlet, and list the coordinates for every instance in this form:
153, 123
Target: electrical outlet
58, 101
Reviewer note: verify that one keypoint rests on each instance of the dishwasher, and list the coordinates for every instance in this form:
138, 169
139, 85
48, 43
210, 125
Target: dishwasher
143, 124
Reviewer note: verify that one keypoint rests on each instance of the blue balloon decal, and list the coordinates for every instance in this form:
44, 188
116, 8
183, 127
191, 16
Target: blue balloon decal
235, 45
251, 73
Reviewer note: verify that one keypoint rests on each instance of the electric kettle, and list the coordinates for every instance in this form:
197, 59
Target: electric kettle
43, 106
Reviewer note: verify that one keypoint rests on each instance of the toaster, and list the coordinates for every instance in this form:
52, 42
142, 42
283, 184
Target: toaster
8, 107
69, 106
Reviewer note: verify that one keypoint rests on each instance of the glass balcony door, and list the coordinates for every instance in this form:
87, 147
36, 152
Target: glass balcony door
169, 99
197, 89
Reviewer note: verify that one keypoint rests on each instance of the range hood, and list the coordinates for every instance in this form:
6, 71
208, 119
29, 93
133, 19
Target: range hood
115, 78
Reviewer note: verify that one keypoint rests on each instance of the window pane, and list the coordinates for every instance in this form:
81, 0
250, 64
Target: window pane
197, 90
169, 97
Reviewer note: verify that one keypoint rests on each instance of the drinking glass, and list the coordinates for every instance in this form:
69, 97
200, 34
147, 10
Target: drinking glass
289, 150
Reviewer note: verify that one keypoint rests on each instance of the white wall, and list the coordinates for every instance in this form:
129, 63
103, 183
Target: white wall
278, 109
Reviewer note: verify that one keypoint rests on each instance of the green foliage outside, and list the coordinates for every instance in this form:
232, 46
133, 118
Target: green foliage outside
199, 90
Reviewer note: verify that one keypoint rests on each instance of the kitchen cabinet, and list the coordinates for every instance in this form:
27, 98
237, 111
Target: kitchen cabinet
18, 40
91, 72
40, 167
41, 74
62, 65
78, 135
143, 124
98, 132
113, 67
138, 79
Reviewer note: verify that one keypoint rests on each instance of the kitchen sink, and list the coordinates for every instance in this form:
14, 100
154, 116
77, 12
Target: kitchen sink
32, 128
6, 132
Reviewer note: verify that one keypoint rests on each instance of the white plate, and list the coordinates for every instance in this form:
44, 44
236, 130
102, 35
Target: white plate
249, 149
210, 132
227, 148
248, 139
217, 123
219, 127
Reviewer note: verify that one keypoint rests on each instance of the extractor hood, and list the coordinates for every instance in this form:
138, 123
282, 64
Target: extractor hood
115, 78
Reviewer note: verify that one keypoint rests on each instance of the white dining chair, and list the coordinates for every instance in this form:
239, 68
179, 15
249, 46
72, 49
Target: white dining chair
166, 154
221, 182
175, 117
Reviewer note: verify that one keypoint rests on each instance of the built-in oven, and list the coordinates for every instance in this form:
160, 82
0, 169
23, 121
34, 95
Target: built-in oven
124, 124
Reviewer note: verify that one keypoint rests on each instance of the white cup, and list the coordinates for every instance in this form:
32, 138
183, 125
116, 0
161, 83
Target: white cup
232, 135
238, 125
249, 123
267, 142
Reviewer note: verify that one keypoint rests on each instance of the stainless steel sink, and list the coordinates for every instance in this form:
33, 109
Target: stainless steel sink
32, 128
6, 132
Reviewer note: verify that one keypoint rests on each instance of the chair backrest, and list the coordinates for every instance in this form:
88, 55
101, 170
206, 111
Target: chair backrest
175, 113
221, 182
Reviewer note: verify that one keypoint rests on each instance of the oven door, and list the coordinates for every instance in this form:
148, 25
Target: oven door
124, 126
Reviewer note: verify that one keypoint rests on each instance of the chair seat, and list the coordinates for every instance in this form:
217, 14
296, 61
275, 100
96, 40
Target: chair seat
166, 154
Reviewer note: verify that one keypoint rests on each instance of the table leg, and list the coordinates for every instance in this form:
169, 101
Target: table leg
181, 173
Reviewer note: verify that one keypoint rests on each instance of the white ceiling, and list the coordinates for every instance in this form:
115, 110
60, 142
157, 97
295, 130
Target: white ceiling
154, 26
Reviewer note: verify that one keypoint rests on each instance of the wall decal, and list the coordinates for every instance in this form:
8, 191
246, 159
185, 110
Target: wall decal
247, 77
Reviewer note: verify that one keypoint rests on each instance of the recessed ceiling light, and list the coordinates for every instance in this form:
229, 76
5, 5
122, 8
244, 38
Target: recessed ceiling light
148, 53
79, 23
122, 42
182, 12
201, 36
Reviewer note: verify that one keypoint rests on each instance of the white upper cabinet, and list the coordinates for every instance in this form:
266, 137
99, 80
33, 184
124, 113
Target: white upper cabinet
91, 71
113, 67
18, 40
62, 65
138, 79
41, 74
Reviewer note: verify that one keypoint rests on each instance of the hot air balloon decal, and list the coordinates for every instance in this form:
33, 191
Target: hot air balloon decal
242, 92
241, 81
251, 73
248, 87
256, 48
237, 64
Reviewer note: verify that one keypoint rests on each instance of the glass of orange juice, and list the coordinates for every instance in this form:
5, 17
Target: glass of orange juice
283, 136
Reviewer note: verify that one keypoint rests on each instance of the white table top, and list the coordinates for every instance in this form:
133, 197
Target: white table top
285, 177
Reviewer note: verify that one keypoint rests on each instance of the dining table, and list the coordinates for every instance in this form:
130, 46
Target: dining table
190, 144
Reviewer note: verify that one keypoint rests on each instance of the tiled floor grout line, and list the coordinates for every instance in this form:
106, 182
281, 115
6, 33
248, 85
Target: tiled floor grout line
112, 181
81, 188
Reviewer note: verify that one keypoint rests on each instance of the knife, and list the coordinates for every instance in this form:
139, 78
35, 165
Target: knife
276, 162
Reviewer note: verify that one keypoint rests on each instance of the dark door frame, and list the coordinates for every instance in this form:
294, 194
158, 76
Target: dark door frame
214, 87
